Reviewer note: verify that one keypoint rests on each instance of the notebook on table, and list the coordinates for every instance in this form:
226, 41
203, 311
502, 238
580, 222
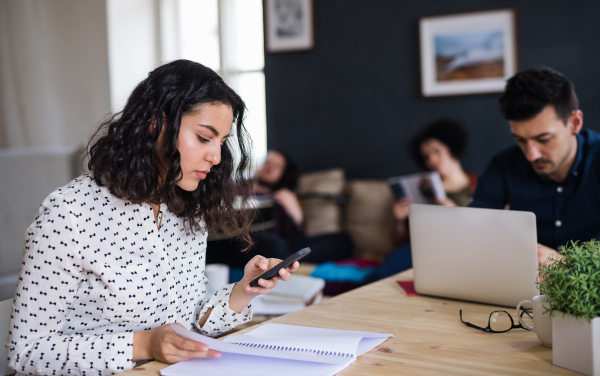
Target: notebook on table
275, 349
291, 296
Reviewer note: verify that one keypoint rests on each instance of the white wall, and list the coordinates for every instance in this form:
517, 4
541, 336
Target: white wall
54, 81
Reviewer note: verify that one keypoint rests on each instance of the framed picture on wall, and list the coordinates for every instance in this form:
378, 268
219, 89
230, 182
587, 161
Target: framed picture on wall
467, 53
289, 25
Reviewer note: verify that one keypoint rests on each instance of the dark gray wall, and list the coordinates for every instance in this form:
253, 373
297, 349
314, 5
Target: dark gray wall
354, 101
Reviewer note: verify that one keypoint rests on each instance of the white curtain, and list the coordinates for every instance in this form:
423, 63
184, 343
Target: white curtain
54, 80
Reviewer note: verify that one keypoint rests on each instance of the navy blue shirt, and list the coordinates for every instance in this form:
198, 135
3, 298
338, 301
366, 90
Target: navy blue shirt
564, 211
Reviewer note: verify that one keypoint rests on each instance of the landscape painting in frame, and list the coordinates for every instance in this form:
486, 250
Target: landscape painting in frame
289, 25
467, 53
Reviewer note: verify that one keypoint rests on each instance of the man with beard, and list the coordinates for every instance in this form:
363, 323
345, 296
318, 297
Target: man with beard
554, 170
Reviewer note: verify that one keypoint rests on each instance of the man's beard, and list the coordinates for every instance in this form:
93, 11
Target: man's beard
554, 166
543, 173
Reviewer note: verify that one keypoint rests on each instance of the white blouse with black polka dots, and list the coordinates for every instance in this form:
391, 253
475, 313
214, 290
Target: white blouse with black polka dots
95, 270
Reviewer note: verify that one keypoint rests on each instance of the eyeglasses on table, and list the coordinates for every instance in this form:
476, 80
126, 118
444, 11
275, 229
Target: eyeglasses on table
501, 321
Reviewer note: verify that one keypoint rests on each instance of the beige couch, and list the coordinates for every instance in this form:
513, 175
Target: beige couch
366, 214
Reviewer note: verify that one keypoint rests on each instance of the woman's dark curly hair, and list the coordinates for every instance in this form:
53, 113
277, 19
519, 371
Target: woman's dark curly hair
291, 173
123, 156
449, 132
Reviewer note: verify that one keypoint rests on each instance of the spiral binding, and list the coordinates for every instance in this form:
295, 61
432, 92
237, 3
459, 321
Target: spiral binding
288, 348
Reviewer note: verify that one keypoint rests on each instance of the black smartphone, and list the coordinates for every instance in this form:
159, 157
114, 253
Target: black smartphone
284, 264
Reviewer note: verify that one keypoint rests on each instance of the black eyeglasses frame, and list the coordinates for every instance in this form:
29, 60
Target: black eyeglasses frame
488, 328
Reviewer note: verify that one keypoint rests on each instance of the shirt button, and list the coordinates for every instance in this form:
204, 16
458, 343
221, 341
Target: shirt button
156, 244
559, 189
39, 371
558, 223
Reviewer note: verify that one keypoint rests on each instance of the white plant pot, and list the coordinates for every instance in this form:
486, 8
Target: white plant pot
576, 344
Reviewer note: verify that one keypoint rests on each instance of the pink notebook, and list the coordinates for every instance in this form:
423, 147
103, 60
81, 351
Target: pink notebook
408, 287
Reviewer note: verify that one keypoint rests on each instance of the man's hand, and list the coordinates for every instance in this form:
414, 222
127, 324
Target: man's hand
544, 253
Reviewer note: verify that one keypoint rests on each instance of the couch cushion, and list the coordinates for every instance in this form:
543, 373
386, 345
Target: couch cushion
369, 219
322, 215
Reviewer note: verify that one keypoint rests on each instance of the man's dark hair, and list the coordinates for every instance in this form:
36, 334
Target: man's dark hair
528, 92
448, 131
123, 154
291, 173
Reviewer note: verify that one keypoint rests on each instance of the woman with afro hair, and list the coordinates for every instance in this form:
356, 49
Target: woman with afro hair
438, 147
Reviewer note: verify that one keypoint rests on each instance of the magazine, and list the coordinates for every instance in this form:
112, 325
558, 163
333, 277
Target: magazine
422, 188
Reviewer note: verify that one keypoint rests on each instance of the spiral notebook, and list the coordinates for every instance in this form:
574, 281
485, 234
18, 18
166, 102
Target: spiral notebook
276, 349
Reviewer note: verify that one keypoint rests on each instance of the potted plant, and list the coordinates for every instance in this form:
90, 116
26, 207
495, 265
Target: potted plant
572, 284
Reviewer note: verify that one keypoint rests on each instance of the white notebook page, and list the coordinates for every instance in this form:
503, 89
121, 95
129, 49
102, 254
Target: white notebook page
248, 365
243, 360
336, 346
367, 340
222, 346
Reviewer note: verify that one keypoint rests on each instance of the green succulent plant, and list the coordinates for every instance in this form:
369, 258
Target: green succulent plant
572, 282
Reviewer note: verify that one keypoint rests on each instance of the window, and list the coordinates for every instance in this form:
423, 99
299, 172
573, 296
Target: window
225, 35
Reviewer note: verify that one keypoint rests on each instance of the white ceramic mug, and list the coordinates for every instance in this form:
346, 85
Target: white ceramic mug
542, 323
217, 276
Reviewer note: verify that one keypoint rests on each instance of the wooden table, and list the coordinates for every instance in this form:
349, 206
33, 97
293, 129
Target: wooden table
429, 337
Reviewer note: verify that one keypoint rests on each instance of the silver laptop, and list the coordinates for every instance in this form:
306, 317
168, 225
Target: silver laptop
481, 255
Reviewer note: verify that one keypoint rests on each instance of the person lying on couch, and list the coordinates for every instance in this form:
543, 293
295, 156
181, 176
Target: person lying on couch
438, 147
277, 180
553, 170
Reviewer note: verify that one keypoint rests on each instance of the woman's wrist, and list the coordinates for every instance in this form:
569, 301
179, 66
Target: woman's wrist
238, 299
141, 345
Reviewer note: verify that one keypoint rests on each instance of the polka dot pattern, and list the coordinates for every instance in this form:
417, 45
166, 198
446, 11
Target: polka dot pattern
95, 270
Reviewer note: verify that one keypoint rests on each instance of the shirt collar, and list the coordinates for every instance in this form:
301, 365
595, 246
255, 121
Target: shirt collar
109, 198
112, 199
578, 156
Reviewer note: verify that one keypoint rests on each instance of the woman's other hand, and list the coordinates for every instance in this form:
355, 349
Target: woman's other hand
242, 293
163, 344
289, 201
400, 208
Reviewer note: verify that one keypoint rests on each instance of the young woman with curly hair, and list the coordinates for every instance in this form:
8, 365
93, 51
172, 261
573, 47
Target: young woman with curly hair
118, 254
